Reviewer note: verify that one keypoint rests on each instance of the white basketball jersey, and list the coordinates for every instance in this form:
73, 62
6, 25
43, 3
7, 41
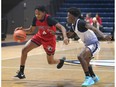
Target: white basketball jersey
88, 37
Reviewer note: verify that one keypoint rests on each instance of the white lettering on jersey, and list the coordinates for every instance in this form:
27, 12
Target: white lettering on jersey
44, 33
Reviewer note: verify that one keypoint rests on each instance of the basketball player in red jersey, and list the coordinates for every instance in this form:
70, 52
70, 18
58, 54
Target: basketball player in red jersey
45, 36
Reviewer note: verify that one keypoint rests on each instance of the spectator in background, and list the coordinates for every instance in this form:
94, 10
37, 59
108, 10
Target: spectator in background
95, 23
98, 18
99, 21
88, 18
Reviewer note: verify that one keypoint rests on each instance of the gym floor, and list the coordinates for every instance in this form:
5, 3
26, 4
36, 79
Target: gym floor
40, 74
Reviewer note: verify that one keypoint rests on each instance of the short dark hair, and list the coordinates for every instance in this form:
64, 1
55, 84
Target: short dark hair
74, 11
41, 8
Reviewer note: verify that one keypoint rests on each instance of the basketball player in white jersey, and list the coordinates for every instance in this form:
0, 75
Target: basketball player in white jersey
86, 33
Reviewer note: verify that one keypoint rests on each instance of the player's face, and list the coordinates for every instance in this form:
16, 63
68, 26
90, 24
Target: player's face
39, 14
70, 18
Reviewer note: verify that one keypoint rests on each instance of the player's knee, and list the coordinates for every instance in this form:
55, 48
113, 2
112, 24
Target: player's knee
79, 57
24, 51
50, 59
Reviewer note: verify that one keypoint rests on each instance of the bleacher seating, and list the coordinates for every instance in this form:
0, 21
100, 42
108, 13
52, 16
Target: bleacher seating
105, 8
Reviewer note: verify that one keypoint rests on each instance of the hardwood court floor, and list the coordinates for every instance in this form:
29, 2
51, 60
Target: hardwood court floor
40, 74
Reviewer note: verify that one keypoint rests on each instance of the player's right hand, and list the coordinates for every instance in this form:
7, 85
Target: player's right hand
66, 41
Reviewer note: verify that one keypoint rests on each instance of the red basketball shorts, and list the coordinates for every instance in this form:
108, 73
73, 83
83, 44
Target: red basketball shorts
49, 44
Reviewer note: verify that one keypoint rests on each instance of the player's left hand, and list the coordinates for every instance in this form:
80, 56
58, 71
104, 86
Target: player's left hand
66, 41
108, 37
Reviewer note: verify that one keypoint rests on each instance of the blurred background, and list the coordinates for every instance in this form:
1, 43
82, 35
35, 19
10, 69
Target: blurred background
20, 13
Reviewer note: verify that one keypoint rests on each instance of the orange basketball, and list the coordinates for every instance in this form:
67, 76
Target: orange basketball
19, 36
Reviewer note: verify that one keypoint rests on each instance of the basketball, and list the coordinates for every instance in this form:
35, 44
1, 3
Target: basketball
19, 36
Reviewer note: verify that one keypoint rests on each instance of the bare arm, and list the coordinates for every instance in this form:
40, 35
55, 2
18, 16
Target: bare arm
70, 34
29, 30
62, 28
97, 31
59, 26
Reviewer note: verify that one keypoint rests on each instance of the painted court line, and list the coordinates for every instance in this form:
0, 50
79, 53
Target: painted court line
53, 69
109, 85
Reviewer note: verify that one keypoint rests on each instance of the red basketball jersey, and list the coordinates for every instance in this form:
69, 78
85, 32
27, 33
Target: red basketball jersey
44, 30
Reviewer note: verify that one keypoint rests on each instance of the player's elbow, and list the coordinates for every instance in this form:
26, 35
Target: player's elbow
59, 26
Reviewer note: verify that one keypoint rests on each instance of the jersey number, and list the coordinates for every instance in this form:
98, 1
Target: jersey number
44, 33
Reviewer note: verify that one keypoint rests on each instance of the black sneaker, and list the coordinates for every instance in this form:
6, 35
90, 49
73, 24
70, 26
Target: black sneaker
20, 75
61, 63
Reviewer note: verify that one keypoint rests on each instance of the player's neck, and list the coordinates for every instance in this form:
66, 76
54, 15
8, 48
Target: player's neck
75, 20
43, 18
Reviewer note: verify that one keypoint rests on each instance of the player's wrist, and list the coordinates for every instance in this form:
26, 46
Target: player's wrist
104, 36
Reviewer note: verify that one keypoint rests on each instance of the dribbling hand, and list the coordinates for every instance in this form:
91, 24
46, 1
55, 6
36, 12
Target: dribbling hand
66, 41
18, 28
